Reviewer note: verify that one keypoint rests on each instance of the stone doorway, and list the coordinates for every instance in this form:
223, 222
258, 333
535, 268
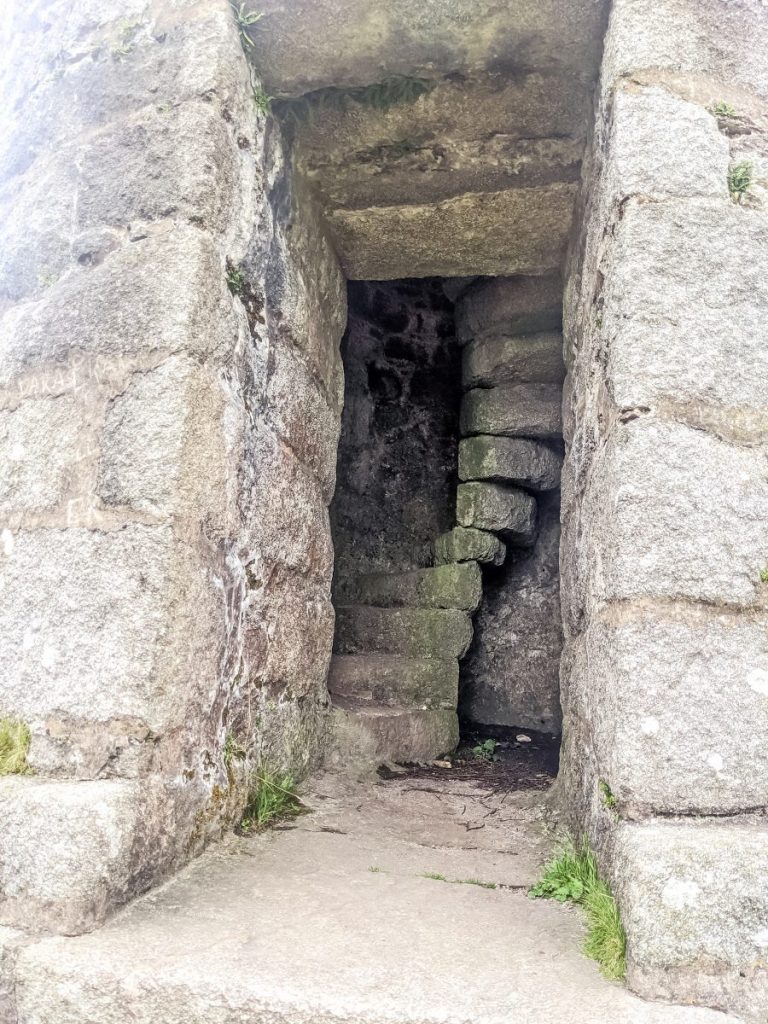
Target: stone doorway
447, 510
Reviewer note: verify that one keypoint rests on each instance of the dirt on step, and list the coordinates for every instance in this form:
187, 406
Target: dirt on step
502, 759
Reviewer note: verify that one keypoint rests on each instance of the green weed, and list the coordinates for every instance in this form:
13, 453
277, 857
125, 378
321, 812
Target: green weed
271, 798
764, 575
476, 881
376, 871
485, 751
739, 180
573, 877
607, 795
14, 747
722, 109
434, 876
245, 22
235, 279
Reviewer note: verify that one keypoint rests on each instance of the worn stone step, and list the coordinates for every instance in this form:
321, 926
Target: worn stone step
465, 544
516, 460
442, 586
516, 305
519, 359
504, 510
394, 680
513, 410
412, 632
365, 733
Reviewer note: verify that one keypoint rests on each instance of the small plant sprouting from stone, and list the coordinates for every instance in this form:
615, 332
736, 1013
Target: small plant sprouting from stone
245, 22
434, 876
376, 871
723, 109
233, 751
764, 575
485, 751
124, 44
235, 279
380, 96
272, 797
261, 99
476, 881
606, 795
739, 180
573, 877
14, 747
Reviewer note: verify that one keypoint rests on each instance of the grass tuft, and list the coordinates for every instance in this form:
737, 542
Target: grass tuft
476, 881
723, 109
245, 21
740, 180
14, 747
271, 798
434, 876
572, 877
764, 575
606, 795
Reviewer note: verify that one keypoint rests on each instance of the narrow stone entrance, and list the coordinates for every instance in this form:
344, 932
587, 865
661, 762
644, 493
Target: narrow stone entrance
449, 461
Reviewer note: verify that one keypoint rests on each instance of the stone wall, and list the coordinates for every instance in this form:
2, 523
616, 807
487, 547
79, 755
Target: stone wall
665, 534
398, 448
170, 393
512, 374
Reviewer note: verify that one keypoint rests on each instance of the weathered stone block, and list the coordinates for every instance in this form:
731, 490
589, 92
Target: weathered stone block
513, 459
11, 941
504, 510
412, 632
644, 160
165, 291
694, 903
510, 306
448, 238
171, 445
689, 525
285, 513
484, 133
300, 55
366, 734
455, 585
670, 693
521, 359
709, 361
175, 56
515, 410
716, 41
42, 446
300, 412
122, 629
511, 675
465, 545
68, 881
394, 680
288, 636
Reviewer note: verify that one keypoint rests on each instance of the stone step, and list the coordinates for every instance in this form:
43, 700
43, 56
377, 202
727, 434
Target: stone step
513, 410
412, 632
442, 586
368, 734
519, 359
504, 510
465, 544
393, 680
516, 305
516, 460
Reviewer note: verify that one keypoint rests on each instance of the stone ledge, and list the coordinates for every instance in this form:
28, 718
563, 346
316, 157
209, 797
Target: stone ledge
694, 903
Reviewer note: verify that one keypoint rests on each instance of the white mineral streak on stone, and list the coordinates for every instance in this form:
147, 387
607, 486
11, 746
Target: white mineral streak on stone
758, 681
680, 893
7, 539
761, 938
715, 762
